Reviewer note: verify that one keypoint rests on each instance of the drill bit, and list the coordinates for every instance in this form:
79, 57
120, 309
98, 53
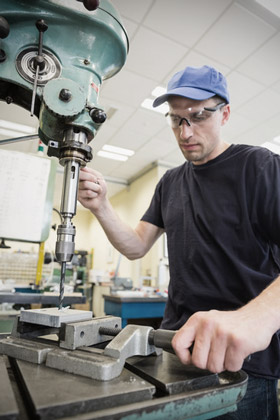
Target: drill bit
62, 280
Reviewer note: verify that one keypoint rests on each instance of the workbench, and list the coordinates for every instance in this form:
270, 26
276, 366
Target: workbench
134, 307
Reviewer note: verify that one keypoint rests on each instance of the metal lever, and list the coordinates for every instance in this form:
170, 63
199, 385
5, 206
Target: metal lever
39, 63
158, 338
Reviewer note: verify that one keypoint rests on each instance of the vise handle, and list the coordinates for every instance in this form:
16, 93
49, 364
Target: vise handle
158, 338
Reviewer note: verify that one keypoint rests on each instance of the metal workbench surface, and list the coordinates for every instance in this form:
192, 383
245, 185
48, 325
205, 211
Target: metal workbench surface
28, 298
149, 388
120, 299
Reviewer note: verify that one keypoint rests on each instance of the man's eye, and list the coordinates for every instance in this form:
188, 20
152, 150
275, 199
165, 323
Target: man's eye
200, 116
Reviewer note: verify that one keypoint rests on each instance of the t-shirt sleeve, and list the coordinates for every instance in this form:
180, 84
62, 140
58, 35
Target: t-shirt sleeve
154, 214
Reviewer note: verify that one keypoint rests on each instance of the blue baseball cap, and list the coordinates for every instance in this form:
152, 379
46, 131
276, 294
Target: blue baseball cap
197, 83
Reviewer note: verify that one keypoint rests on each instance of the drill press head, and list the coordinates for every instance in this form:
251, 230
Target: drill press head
54, 56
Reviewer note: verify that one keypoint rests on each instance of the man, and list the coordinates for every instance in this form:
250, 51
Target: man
220, 211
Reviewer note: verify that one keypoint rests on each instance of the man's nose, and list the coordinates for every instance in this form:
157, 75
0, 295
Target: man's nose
186, 130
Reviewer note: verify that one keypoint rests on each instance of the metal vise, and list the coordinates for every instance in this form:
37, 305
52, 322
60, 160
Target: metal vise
75, 354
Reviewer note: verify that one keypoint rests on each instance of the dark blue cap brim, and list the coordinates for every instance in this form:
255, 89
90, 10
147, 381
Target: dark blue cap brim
186, 92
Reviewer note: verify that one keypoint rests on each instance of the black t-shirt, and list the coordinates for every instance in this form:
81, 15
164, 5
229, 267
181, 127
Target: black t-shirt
222, 221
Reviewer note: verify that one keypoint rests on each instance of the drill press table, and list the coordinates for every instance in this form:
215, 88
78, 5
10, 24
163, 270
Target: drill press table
149, 388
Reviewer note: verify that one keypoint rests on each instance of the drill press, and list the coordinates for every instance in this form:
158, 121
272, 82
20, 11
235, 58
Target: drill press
54, 56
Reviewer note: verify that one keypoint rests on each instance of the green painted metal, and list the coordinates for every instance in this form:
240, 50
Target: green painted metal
197, 405
89, 46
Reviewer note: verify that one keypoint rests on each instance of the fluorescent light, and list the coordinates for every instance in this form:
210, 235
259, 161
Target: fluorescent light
118, 150
148, 104
17, 127
113, 156
158, 91
11, 134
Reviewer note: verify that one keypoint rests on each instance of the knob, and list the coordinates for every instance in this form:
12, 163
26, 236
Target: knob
41, 25
91, 4
97, 115
4, 28
65, 95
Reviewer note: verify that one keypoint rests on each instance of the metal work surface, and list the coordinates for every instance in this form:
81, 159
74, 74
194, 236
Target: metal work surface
51, 394
54, 317
8, 405
58, 394
175, 377
135, 299
28, 298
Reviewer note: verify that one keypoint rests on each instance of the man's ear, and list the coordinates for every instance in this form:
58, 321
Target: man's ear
226, 113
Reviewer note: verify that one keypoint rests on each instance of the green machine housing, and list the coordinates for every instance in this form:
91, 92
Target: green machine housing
80, 49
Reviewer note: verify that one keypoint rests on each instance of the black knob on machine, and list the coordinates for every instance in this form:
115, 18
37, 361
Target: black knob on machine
4, 28
97, 115
90, 4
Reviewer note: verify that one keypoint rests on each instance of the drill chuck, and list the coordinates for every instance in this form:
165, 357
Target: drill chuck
65, 245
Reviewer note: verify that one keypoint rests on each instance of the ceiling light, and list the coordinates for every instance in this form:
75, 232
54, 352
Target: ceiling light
118, 150
158, 91
17, 127
148, 104
110, 155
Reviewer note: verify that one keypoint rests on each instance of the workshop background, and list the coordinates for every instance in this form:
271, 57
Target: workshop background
239, 38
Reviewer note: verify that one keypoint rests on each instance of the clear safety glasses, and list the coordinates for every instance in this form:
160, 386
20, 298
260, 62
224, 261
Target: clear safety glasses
194, 117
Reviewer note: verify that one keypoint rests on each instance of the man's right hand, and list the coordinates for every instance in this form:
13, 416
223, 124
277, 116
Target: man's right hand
92, 193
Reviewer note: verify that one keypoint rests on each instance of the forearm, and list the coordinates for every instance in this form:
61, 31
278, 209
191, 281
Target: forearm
133, 243
125, 239
121, 236
264, 309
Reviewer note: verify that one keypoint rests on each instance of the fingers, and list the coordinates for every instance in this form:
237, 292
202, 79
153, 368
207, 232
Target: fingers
89, 183
91, 187
88, 190
88, 174
217, 342
182, 342
234, 356
216, 357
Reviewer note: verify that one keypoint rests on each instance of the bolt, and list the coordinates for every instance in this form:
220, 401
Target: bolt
86, 62
65, 95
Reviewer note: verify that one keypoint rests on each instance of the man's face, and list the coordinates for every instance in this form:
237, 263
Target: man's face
201, 141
